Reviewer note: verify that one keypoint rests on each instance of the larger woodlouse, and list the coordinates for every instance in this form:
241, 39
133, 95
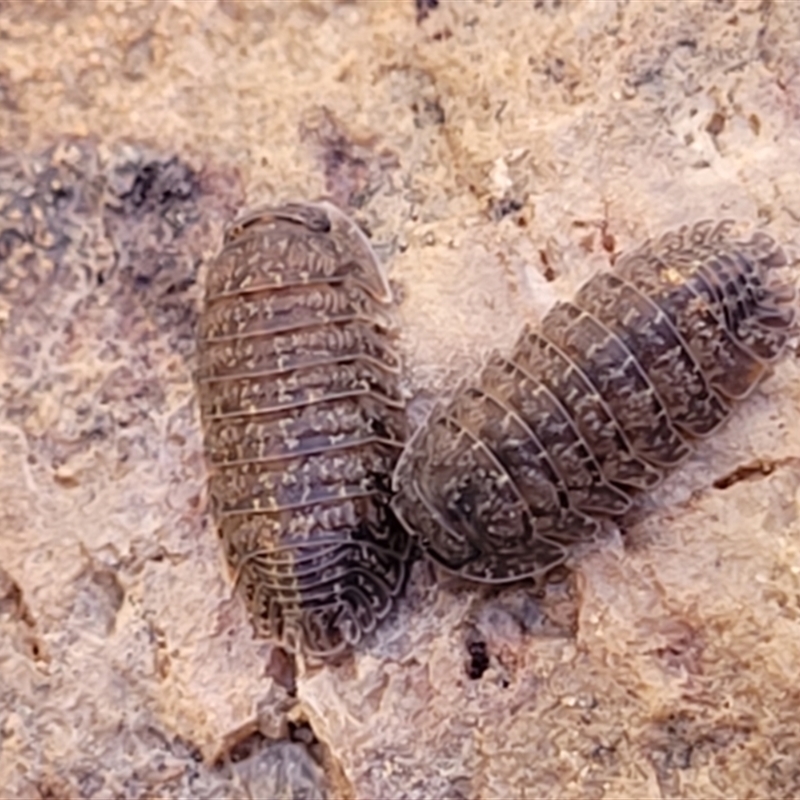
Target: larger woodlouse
303, 423
506, 476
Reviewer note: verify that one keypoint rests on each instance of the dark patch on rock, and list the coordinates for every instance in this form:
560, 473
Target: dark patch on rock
478, 659
424, 8
355, 169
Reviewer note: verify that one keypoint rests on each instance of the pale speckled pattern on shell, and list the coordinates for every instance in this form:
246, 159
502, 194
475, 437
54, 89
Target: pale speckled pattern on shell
303, 423
506, 476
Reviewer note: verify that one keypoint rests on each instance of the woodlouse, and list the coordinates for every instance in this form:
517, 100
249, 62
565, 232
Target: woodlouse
507, 475
303, 423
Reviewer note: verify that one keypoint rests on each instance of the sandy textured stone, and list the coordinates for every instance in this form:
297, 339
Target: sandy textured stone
498, 153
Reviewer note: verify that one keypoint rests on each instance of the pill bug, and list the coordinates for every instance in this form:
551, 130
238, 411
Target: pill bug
303, 423
506, 476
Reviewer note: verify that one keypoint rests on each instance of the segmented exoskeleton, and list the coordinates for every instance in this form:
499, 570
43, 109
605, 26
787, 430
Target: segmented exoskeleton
303, 423
516, 468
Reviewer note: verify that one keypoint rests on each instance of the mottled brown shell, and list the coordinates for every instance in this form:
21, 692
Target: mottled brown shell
303, 423
599, 403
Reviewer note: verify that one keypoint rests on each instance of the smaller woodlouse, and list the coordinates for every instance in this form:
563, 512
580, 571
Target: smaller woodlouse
505, 477
303, 422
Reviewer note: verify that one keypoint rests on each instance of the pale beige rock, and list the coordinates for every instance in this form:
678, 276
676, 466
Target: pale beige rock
497, 152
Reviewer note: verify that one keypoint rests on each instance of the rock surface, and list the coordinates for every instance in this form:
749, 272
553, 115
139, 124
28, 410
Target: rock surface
498, 154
